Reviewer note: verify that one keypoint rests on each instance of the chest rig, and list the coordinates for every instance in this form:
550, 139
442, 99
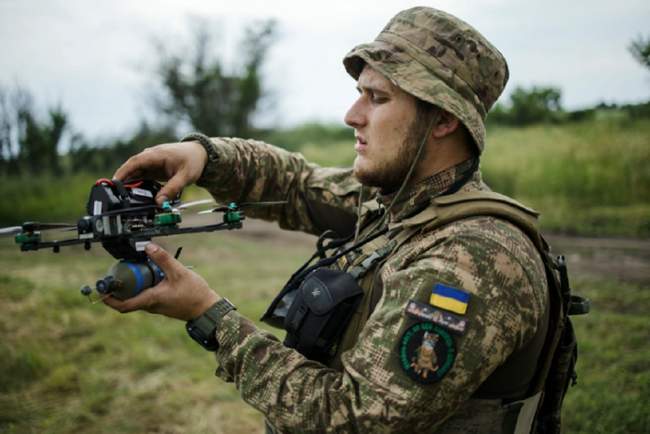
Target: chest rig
318, 302
324, 306
542, 369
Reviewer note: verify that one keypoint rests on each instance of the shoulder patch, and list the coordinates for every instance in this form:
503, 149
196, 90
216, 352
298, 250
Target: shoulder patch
426, 352
449, 298
426, 312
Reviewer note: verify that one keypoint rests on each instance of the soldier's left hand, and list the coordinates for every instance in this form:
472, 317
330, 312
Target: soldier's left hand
182, 294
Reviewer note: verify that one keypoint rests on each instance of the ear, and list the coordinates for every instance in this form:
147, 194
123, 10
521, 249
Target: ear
446, 125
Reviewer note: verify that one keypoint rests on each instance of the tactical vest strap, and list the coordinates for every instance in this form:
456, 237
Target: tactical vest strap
372, 256
484, 203
555, 322
458, 206
527, 411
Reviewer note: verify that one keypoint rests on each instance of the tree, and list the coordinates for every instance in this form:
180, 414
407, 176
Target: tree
640, 50
540, 104
26, 141
198, 89
529, 106
7, 153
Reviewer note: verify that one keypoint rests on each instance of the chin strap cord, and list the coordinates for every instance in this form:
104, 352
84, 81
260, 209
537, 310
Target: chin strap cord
416, 158
358, 225
407, 178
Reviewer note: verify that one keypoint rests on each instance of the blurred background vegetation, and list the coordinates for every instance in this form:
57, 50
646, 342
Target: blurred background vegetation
586, 170
67, 366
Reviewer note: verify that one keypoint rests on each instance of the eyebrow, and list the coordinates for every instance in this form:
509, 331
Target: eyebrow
374, 88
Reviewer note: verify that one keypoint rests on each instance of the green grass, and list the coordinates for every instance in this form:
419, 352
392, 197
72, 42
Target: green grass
589, 178
613, 391
43, 197
70, 366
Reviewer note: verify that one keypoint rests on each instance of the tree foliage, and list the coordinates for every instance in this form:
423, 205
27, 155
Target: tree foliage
640, 50
530, 106
28, 143
198, 89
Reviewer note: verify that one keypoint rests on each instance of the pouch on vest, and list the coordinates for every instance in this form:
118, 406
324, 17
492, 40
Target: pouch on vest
317, 303
325, 300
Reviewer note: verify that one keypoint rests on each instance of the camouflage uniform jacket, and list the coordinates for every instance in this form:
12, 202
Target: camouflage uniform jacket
487, 257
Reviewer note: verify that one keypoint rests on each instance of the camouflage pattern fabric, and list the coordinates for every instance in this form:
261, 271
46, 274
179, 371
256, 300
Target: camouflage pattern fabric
438, 58
487, 257
320, 199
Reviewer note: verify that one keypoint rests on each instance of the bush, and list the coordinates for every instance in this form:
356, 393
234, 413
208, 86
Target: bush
44, 198
526, 107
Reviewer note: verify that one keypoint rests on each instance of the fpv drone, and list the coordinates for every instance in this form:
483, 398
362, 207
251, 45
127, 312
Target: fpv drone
124, 217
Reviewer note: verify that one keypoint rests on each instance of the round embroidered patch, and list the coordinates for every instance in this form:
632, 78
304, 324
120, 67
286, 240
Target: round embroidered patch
426, 352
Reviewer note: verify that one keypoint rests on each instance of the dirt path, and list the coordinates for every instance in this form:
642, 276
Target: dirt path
626, 260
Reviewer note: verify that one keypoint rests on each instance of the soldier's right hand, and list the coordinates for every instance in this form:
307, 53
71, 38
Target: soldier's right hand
179, 164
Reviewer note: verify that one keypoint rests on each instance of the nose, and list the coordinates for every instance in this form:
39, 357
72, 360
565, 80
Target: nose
355, 117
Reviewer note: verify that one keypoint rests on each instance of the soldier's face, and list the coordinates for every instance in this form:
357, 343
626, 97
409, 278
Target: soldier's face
383, 117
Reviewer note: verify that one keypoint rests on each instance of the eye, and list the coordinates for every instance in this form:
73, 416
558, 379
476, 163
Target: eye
377, 98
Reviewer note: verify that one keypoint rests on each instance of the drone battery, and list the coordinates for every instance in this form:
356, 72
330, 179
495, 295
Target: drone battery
102, 199
127, 279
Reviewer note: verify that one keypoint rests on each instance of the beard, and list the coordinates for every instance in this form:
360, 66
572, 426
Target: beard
389, 174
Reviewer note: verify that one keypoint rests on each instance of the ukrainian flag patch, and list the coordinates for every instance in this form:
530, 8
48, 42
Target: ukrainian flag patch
448, 298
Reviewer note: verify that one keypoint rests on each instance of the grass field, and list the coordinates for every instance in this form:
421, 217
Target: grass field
68, 366
590, 178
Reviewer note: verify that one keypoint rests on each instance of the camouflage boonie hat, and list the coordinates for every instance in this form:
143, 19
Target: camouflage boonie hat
440, 59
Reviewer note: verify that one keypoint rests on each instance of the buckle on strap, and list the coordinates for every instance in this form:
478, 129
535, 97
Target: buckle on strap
579, 305
360, 270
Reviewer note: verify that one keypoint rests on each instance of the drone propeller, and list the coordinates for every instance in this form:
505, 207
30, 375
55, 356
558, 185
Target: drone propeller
269, 203
194, 203
34, 226
236, 206
11, 230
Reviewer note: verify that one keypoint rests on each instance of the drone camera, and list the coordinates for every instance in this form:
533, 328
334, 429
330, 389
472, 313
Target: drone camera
126, 279
106, 285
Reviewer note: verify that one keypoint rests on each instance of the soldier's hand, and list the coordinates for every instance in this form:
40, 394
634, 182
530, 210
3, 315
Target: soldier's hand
182, 294
179, 164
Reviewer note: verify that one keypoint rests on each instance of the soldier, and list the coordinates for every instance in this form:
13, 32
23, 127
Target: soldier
437, 301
